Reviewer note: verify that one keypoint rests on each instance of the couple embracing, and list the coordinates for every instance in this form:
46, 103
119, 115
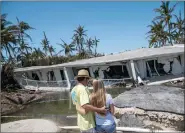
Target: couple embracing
94, 110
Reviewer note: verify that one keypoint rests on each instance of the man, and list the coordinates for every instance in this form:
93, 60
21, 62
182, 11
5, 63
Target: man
80, 96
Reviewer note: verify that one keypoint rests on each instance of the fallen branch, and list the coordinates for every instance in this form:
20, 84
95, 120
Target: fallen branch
12, 100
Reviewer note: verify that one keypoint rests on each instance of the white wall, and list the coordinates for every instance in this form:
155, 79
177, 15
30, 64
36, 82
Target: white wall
29, 74
129, 69
91, 72
44, 74
70, 73
182, 61
57, 74
39, 75
133, 69
142, 68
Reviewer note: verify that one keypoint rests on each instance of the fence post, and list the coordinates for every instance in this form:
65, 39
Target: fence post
69, 86
37, 84
67, 78
133, 70
108, 84
59, 83
47, 83
21, 82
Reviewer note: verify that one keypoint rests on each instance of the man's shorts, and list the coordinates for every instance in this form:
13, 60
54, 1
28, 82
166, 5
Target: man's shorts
92, 130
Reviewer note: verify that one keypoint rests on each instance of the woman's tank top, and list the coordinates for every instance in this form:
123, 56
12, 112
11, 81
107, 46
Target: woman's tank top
108, 118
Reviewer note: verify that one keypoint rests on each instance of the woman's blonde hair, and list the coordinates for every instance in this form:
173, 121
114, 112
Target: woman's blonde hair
98, 98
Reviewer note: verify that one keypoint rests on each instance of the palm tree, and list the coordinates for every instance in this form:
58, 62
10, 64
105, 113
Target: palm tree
79, 38
178, 29
45, 44
33, 58
8, 37
67, 48
22, 50
166, 14
37, 54
89, 45
95, 42
158, 36
155, 34
51, 50
153, 42
82, 55
23, 27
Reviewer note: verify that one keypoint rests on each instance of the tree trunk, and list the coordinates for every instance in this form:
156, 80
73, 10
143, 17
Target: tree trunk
169, 29
95, 50
68, 54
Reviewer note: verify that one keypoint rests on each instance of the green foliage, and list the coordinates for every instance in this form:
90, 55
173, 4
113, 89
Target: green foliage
17, 50
7, 78
163, 30
67, 48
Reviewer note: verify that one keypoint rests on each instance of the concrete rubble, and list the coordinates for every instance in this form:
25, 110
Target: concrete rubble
162, 108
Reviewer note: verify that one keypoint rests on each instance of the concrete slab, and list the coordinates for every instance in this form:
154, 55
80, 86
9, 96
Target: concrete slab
30, 125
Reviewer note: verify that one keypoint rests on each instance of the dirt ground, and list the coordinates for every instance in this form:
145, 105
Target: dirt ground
14, 101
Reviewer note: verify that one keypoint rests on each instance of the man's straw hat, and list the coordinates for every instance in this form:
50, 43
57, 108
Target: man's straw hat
83, 73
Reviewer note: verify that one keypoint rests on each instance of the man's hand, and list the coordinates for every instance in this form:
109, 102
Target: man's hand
89, 107
103, 110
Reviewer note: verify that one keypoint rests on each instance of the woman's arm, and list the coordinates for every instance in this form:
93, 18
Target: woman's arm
112, 109
111, 104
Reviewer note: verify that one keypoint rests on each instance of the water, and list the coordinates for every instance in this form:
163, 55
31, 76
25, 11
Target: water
55, 107
53, 110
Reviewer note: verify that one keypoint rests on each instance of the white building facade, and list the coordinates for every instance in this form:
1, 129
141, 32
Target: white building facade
146, 64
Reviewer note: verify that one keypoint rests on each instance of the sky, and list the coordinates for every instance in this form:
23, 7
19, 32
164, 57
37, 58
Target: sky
120, 26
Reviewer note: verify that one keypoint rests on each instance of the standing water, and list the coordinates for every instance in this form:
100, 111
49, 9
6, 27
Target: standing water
56, 106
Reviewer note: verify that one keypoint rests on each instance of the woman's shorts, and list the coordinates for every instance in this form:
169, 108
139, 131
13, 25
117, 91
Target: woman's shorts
106, 128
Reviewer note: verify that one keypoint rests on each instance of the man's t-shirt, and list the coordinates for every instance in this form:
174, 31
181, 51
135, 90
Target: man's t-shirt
80, 96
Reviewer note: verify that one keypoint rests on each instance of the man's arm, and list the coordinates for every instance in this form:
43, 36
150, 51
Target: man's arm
85, 103
91, 108
81, 110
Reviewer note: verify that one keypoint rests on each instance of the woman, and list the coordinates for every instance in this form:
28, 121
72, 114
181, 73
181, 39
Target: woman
104, 122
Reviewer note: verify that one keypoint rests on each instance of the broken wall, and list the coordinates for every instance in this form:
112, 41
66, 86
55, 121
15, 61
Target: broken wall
99, 69
142, 68
171, 65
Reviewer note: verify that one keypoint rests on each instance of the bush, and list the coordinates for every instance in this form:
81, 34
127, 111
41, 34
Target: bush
7, 78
